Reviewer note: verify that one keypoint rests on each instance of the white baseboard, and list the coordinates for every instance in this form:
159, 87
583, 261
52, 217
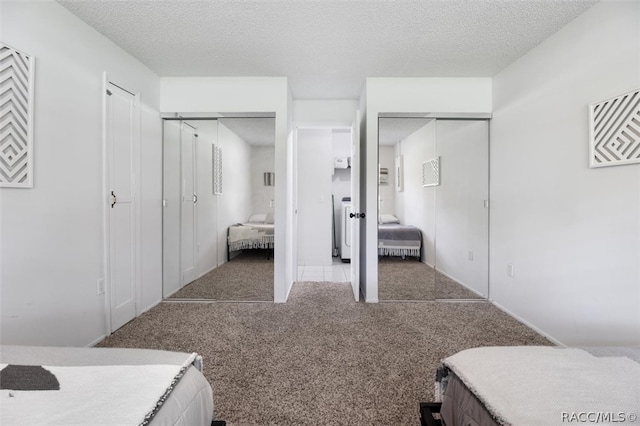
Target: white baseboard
206, 272
95, 342
527, 323
461, 283
151, 306
172, 293
455, 279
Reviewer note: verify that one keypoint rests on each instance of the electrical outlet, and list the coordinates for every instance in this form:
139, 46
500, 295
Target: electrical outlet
101, 286
470, 255
510, 270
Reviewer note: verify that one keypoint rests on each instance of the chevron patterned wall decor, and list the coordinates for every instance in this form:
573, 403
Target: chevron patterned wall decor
615, 131
431, 172
16, 118
217, 170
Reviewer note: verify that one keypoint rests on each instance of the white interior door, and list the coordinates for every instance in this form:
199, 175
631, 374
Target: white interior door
171, 202
294, 192
121, 146
355, 206
314, 197
188, 251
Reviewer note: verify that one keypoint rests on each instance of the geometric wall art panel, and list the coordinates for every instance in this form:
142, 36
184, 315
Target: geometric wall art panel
217, 169
615, 131
431, 172
16, 118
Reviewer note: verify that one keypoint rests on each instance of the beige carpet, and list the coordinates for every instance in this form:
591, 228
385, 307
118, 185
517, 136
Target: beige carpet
410, 279
321, 358
247, 277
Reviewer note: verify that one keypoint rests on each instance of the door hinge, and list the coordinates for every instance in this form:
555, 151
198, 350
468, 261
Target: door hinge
109, 92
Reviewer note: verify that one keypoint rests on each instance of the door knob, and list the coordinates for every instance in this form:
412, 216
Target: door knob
352, 215
114, 199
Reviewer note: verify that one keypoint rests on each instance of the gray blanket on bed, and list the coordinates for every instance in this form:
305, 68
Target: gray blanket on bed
397, 232
399, 240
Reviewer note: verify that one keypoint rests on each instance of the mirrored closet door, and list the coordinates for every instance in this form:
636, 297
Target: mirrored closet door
218, 192
433, 209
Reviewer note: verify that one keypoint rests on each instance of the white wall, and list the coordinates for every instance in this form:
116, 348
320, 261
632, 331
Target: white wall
172, 206
262, 160
328, 112
291, 248
415, 204
246, 94
234, 205
572, 233
407, 95
207, 205
461, 218
314, 197
52, 235
150, 201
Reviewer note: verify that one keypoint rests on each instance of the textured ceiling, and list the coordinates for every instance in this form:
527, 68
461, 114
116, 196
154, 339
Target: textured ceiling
327, 48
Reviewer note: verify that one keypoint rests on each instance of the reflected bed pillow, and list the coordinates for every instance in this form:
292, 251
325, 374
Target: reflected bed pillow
258, 218
388, 218
269, 218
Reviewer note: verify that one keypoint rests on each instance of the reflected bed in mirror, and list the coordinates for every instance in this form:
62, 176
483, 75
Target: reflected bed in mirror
402, 273
429, 226
218, 236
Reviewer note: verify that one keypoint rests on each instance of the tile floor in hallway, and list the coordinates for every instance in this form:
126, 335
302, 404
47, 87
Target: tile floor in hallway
338, 272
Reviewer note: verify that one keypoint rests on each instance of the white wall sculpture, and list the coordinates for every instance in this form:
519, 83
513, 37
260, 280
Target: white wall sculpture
16, 118
615, 131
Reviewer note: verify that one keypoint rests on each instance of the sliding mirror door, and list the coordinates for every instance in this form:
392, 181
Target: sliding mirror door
218, 227
462, 210
406, 226
433, 216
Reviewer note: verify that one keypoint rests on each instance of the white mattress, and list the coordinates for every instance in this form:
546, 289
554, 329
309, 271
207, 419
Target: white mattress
536, 385
189, 403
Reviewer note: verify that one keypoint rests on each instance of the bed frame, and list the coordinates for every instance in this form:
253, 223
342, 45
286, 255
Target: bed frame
427, 411
467, 389
399, 240
258, 245
111, 370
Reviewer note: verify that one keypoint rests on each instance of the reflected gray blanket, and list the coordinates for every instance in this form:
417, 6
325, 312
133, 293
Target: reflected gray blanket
399, 240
